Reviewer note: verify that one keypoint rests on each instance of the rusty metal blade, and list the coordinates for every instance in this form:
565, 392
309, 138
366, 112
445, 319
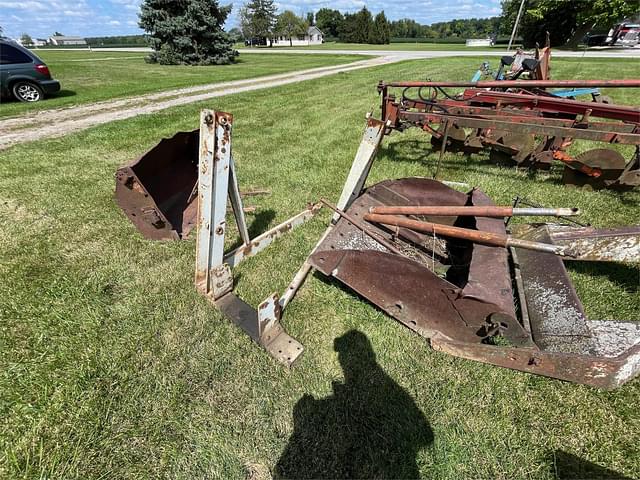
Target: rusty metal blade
156, 191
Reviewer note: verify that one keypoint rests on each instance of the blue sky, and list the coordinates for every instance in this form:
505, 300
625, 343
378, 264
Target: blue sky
94, 18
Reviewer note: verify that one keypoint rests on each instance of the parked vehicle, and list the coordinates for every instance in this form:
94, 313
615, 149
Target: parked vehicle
23, 74
624, 34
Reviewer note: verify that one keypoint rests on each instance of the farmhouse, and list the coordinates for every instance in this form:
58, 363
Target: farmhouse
61, 40
313, 36
479, 42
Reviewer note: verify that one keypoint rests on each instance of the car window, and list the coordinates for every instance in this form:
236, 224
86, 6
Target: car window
9, 54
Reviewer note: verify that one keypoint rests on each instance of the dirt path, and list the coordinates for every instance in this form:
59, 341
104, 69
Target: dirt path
61, 121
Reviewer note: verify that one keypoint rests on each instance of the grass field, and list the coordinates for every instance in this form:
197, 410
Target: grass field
393, 46
93, 76
114, 367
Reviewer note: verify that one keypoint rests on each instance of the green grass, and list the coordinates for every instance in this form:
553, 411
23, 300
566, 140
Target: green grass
88, 77
112, 366
391, 47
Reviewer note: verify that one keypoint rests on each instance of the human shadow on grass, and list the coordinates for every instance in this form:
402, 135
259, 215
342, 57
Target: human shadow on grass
370, 427
566, 466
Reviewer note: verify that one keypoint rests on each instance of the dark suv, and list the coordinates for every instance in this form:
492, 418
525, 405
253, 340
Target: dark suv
23, 74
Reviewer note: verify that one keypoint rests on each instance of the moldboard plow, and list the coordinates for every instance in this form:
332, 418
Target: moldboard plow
443, 263
520, 123
439, 261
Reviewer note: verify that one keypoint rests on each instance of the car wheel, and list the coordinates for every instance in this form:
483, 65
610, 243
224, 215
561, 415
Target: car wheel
27, 92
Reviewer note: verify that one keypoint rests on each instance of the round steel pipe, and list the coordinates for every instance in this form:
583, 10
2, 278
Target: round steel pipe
473, 211
521, 84
475, 236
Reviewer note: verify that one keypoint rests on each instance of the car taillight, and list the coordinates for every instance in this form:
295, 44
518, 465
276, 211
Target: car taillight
43, 69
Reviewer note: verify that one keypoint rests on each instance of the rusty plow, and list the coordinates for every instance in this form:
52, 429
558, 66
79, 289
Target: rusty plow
444, 264
186, 182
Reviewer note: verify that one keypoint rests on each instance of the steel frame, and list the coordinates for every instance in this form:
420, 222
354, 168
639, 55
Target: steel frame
217, 182
559, 120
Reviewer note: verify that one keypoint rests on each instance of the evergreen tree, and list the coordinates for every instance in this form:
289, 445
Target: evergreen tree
364, 24
310, 18
260, 16
187, 32
380, 33
347, 30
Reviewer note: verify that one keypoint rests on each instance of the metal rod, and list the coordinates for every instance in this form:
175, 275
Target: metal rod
471, 211
361, 226
443, 147
519, 84
529, 203
475, 236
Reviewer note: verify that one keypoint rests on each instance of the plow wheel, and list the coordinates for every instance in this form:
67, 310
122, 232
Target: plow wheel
513, 147
610, 162
455, 139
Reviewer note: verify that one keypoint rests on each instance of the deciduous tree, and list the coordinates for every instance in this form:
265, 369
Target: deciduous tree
329, 21
26, 40
565, 20
290, 25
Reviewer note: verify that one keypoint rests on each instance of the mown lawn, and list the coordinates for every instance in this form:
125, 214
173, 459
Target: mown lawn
93, 76
112, 366
417, 46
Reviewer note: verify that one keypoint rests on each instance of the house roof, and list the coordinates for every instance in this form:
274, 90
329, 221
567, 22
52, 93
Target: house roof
314, 30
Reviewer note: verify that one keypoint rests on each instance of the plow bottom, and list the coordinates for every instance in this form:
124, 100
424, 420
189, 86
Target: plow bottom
514, 308
157, 191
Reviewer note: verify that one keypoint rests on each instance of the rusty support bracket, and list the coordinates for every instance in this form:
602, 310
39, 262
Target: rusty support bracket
218, 184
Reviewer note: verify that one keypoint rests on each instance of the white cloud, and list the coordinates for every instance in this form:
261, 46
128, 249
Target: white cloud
98, 17
24, 5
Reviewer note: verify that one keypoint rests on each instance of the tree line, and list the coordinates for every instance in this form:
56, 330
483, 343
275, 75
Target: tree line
355, 28
260, 23
192, 31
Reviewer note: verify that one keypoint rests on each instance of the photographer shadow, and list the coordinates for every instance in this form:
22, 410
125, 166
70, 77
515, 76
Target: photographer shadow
369, 428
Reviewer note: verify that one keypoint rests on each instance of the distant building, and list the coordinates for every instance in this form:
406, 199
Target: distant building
479, 42
35, 42
60, 40
313, 36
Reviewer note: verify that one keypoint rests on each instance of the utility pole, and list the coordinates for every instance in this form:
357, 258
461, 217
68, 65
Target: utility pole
515, 27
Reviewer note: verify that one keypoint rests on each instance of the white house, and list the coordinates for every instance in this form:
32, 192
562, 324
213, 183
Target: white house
479, 42
312, 37
35, 42
60, 40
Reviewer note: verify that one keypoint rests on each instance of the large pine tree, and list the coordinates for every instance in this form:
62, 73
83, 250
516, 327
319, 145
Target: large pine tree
260, 16
187, 32
380, 32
